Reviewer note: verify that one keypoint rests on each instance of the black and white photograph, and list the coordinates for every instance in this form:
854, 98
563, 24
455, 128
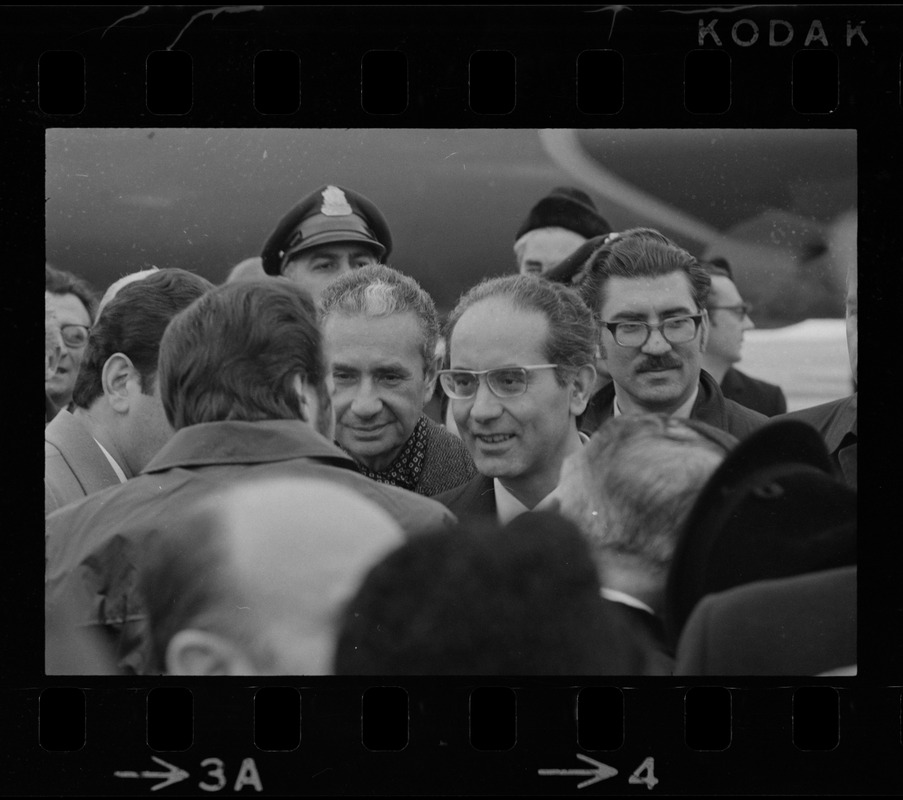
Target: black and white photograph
619, 438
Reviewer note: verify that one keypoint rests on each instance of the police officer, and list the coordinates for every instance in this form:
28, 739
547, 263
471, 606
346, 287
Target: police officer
328, 233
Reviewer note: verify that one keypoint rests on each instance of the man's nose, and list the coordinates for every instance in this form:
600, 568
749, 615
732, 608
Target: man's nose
748, 323
656, 343
486, 405
366, 402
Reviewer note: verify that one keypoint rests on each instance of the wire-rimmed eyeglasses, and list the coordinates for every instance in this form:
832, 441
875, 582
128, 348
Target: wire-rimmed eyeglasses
462, 384
741, 309
75, 335
676, 330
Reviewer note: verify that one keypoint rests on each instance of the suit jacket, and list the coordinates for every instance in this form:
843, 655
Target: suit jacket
648, 631
74, 464
761, 396
472, 500
804, 625
96, 547
711, 406
838, 423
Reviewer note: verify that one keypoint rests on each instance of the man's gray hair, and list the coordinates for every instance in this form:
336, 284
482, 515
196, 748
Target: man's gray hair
636, 480
380, 291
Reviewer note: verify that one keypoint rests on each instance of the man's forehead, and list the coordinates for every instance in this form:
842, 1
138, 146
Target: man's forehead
401, 330
66, 305
725, 290
495, 333
662, 292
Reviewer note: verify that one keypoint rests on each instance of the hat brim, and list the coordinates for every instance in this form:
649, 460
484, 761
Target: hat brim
333, 237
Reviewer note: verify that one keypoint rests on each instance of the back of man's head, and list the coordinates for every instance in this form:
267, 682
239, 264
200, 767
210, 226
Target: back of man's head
641, 253
633, 484
239, 352
252, 579
479, 600
380, 291
132, 323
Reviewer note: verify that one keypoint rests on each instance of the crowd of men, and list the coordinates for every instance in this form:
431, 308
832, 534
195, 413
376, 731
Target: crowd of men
255, 478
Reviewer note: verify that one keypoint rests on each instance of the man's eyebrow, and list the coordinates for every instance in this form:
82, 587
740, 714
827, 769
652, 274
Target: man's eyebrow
337, 365
665, 312
384, 368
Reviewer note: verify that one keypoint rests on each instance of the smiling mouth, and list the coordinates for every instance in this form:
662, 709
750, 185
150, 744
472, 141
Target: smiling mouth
493, 438
373, 429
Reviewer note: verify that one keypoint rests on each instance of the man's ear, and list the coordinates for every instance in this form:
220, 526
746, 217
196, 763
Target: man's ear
582, 388
115, 376
196, 652
704, 331
430, 375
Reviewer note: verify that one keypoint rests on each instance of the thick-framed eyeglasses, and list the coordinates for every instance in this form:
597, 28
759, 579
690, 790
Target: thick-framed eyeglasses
676, 330
741, 309
462, 384
75, 335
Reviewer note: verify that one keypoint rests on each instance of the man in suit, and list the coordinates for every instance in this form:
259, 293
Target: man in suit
838, 420
629, 490
650, 298
117, 423
729, 319
802, 625
243, 385
521, 353
379, 337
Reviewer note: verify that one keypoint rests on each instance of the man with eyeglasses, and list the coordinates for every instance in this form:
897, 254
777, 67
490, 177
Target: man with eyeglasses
651, 298
71, 302
117, 423
521, 353
729, 319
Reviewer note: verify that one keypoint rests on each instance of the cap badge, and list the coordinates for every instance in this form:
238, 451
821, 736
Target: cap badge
334, 203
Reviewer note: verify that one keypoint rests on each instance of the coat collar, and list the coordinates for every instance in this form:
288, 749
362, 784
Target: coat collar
234, 442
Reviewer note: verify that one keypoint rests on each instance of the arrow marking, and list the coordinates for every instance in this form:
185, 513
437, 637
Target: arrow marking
172, 775
601, 771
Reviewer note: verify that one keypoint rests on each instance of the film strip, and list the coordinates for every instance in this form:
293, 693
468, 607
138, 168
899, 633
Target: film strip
807, 67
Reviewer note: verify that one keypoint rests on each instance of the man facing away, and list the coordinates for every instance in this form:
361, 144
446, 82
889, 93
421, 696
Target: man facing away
379, 336
117, 424
243, 384
650, 301
327, 234
252, 580
629, 490
729, 319
521, 353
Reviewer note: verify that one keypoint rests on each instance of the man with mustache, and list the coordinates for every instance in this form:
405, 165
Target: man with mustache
650, 299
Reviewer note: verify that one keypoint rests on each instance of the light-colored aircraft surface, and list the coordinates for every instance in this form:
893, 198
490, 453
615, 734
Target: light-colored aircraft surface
779, 204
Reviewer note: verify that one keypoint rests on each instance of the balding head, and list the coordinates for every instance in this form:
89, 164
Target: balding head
253, 580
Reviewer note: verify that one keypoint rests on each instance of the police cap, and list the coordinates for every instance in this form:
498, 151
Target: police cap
329, 214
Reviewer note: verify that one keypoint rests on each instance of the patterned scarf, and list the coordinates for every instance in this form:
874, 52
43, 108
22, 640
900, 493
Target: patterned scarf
406, 467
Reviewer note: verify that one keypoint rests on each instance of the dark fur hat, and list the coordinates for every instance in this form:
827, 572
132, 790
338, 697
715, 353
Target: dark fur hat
771, 510
565, 207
